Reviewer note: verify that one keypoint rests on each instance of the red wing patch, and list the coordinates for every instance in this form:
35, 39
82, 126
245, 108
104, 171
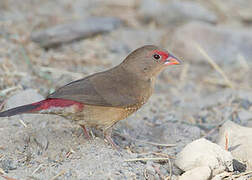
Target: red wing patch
54, 103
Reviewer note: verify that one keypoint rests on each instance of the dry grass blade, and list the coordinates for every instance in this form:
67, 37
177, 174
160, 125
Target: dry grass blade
37, 169
59, 174
214, 65
232, 176
157, 144
243, 174
147, 159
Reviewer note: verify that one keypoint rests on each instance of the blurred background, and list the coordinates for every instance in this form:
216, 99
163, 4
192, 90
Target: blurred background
45, 44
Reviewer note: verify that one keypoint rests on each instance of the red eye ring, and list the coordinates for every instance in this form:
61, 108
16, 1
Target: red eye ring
156, 56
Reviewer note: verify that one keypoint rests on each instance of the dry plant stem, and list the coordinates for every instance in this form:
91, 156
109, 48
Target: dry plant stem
60, 174
232, 176
214, 65
226, 142
37, 169
147, 159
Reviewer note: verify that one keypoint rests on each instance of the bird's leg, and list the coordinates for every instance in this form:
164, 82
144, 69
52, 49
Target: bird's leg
107, 134
85, 131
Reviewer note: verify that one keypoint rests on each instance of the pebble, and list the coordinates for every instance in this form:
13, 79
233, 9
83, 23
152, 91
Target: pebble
202, 152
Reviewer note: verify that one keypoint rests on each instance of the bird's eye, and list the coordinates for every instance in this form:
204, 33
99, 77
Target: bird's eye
156, 56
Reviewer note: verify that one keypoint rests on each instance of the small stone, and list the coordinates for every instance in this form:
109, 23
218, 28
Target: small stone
73, 31
238, 166
202, 152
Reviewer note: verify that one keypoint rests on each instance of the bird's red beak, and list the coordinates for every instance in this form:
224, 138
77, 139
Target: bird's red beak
172, 60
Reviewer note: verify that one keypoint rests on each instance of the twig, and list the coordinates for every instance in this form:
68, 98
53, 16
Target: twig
158, 171
23, 123
169, 161
226, 142
156, 144
232, 176
242, 174
60, 174
37, 169
69, 153
214, 65
219, 82
147, 159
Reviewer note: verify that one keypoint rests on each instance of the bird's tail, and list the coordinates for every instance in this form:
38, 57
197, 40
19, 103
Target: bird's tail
19, 110
44, 105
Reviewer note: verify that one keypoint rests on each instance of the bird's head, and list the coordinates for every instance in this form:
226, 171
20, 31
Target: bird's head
149, 61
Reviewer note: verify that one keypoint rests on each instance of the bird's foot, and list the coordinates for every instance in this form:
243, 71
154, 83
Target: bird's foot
85, 131
111, 142
107, 135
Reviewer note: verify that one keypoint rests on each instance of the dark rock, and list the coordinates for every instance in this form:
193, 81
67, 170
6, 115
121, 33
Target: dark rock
238, 166
73, 31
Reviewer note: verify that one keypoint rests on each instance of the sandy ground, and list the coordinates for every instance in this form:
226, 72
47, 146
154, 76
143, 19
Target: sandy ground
186, 105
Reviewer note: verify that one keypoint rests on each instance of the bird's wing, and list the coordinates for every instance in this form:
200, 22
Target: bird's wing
98, 89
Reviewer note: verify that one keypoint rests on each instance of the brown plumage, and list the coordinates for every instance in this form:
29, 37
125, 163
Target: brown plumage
102, 99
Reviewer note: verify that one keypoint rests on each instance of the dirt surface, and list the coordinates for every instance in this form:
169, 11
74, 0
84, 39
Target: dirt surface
190, 101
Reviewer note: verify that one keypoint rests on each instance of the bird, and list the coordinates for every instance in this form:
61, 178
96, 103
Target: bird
102, 99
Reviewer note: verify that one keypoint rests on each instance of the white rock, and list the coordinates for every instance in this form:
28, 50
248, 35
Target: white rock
23, 97
202, 152
239, 141
198, 173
